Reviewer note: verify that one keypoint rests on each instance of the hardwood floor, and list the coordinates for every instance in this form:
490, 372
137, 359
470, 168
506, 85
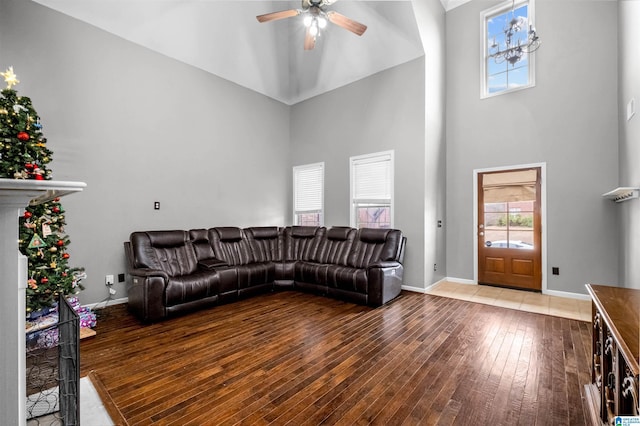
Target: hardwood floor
305, 360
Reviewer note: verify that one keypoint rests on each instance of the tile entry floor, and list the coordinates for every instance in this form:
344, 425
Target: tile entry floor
515, 299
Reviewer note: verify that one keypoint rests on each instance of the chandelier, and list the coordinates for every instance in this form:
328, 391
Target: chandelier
517, 41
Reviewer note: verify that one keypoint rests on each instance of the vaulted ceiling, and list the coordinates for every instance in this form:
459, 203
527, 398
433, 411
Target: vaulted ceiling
224, 38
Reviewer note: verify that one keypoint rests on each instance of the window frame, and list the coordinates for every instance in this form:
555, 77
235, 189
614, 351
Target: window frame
354, 203
485, 15
308, 167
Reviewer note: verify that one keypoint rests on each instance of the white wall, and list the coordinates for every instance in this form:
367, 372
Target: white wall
569, 121
379, 113
430, 18
629, 88
140, 127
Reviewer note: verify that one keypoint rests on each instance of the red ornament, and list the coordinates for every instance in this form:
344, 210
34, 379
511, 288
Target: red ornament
27, 214
60, 243
29, 166
55, 209
56, 199
64, 274
65, 256
23, 136
39, 177
44, 280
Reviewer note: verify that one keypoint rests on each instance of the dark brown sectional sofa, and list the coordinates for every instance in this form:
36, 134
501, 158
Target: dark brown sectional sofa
171, 272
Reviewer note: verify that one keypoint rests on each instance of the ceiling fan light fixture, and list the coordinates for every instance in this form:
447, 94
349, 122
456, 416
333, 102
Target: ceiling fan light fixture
307, 21
322, 22
313, 29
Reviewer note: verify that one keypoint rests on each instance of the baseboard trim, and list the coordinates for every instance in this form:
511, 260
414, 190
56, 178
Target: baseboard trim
567, 295
414, 289
107, 302
425, 289
460, 281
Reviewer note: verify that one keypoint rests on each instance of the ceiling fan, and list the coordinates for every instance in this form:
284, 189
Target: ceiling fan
315, 18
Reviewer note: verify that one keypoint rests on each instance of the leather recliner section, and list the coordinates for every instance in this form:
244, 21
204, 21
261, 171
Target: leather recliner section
231, 245
166, 274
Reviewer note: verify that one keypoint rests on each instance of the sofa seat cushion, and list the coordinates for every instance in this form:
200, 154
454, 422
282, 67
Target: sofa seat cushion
347, 278
255, 274
311, 272
333, 276
187, 288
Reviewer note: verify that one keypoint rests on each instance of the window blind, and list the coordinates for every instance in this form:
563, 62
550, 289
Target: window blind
372, 178
308, 187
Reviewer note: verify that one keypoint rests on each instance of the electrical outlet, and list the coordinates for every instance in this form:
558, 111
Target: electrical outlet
120, 278
108, 280
555, 270
435, 266
156, 205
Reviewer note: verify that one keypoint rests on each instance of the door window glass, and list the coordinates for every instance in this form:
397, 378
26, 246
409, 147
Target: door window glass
509, 203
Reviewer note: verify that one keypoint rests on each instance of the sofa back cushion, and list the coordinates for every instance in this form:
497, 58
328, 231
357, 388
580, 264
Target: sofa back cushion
201, 244
373, 245
169, 251
229, 244
265, 243
301, 242
336, 245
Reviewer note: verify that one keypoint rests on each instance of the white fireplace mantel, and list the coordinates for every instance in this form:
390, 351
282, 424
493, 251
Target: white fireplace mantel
15, 195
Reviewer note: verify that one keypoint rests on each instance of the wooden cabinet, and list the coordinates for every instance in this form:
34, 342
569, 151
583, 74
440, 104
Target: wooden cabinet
616, 352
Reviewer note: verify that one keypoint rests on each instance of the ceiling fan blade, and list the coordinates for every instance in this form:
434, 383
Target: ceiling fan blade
346, 23
309, 41
274, 16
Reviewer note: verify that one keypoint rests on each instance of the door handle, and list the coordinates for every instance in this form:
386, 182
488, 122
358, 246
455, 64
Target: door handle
481, 234
481, 226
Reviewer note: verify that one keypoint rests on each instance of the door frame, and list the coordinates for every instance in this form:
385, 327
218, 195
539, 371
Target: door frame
543, 215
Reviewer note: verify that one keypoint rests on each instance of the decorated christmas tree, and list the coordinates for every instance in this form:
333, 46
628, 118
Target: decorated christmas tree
43, 241
24, 155
23, 150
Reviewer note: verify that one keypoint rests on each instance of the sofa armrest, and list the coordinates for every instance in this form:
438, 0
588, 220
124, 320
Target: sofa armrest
384, 264
148, 272
146, 293
384, 282
212, 263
